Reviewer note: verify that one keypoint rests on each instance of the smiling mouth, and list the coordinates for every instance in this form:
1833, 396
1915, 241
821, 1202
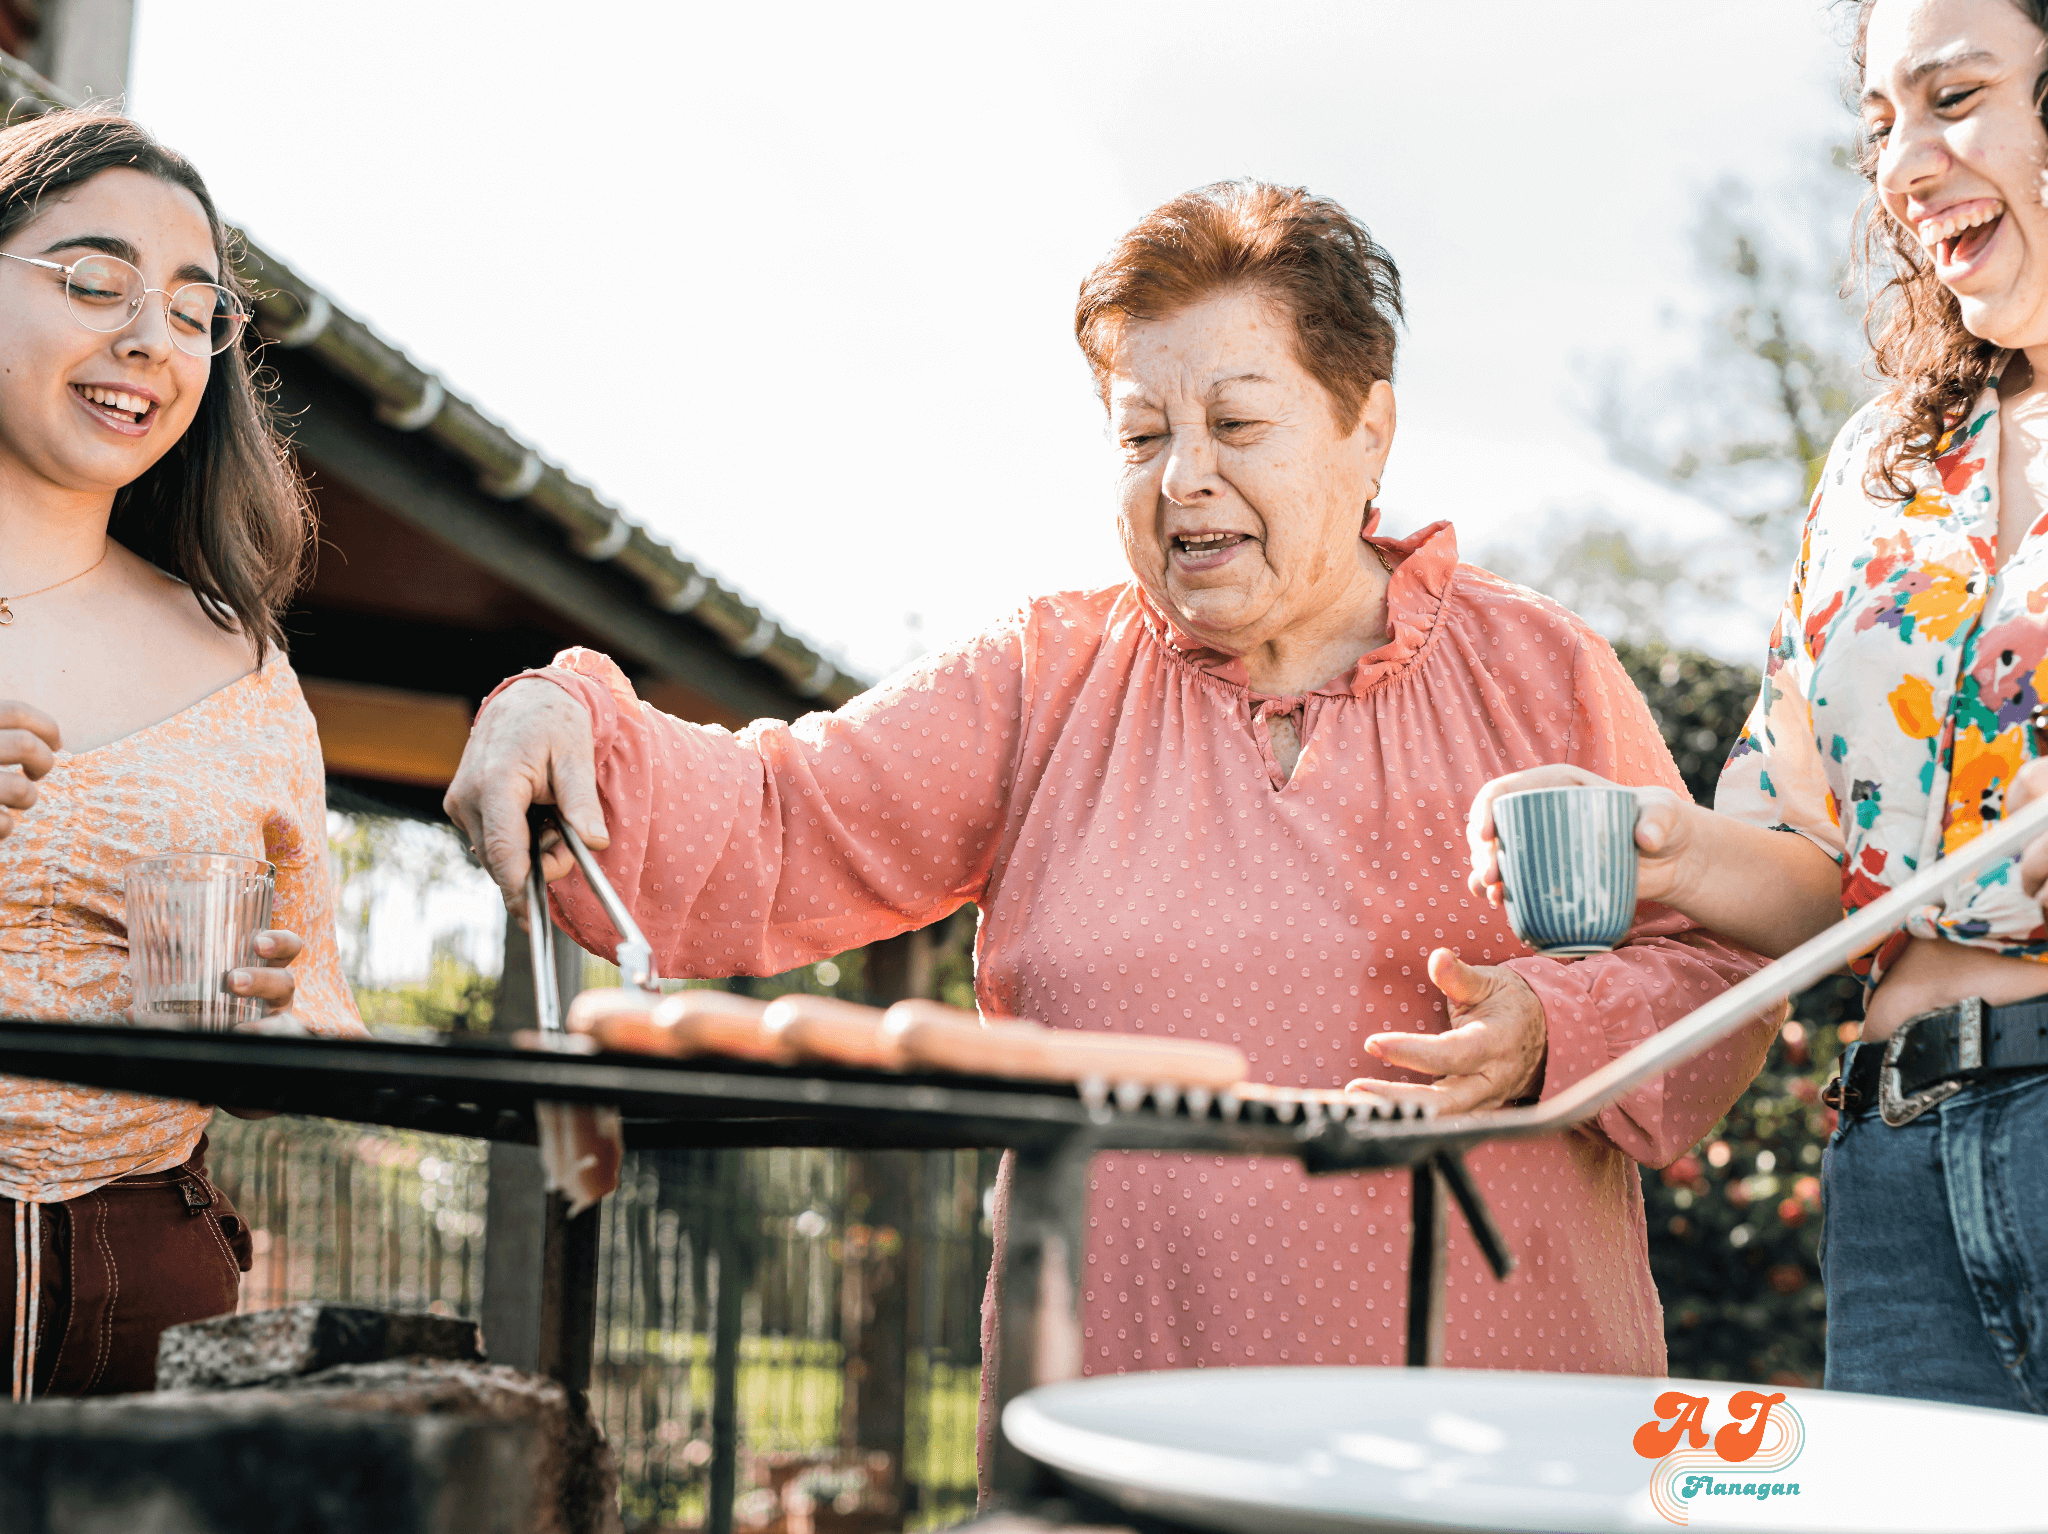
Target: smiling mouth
1956, 240
118, 405
1199, 545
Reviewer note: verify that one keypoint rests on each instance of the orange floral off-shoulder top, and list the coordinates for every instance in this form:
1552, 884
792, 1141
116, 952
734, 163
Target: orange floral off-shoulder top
237, 772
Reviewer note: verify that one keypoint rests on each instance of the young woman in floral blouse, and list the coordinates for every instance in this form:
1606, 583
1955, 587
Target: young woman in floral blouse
1900, 711
150, 532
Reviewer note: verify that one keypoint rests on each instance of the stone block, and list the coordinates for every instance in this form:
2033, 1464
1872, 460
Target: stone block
570, 1477
265, 1346
393, 1447
124, 1466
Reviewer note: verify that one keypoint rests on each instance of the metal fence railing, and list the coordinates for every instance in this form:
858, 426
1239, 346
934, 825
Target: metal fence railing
824, 1306
342, 1212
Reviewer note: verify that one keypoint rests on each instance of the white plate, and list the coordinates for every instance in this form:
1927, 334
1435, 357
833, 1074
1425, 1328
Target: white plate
1259, 1451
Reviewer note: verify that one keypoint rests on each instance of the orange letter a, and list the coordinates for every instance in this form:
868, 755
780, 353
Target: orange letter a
1732, 1443
1653, 1440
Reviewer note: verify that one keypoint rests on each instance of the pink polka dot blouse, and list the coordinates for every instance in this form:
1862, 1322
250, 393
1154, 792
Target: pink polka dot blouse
1106, 792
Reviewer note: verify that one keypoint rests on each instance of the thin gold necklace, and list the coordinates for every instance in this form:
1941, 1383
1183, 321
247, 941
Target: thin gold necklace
7, 612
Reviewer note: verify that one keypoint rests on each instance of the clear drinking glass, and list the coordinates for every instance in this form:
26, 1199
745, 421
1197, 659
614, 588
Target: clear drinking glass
192, 917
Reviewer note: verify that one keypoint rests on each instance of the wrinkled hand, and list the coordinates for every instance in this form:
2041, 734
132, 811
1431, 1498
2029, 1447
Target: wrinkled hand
1491, 1053
1667, 857
2029, 784
29, 741
532, 745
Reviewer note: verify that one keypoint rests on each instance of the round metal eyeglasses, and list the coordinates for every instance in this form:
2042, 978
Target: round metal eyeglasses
106, 294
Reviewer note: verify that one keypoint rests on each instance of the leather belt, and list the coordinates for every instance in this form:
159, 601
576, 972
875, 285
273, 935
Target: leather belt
1935, 1055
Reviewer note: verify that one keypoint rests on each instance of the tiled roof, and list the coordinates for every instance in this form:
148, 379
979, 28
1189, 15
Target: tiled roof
295, 314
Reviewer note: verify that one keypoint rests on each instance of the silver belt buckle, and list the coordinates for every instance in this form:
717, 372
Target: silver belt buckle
1893, 1106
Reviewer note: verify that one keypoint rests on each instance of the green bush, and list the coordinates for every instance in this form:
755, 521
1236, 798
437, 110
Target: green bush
1734, 1224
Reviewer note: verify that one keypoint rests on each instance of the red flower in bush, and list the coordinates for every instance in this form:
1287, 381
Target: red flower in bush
1787, 1278
1792, 1212
1738, 1195
1807, 1189
1682, 1172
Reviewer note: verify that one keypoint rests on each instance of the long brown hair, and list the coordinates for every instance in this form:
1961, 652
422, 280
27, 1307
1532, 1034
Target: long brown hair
1934, 366
224, 510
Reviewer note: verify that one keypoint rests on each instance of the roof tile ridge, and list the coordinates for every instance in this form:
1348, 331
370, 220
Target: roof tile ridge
407, 397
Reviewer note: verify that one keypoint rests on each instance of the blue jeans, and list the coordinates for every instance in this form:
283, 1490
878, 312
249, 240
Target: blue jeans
1935, 1251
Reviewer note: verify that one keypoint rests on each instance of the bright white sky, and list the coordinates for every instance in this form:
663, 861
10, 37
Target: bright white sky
854, 392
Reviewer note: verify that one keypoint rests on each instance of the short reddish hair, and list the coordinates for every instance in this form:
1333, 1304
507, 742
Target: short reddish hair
1305, 253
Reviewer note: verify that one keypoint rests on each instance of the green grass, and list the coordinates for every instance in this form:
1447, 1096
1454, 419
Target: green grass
791, 1389
790, 1395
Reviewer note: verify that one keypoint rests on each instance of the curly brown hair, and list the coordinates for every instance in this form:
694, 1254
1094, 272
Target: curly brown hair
1934, 367
224, 510
1305, 252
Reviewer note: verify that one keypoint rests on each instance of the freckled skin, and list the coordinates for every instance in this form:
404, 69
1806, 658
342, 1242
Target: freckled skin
103, 655
46, 446
122, 645
1221, 429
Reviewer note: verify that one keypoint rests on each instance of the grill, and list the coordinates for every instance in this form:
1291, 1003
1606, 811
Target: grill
489, 1090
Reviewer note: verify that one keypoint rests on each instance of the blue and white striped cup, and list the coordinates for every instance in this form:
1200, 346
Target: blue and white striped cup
1568, 861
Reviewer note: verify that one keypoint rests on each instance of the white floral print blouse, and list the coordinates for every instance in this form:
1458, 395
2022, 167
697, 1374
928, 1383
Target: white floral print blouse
1901, 683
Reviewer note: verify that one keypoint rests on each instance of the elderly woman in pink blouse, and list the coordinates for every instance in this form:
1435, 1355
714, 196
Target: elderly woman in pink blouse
1222, 800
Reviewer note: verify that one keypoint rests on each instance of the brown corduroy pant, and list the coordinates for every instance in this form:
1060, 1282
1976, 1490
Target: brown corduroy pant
119, 1264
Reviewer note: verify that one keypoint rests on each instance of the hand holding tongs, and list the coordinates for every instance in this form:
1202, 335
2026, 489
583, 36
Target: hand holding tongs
582, 1145
635, 957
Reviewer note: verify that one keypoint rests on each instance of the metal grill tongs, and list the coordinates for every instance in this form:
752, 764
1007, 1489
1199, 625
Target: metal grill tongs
581, 1145
635, 957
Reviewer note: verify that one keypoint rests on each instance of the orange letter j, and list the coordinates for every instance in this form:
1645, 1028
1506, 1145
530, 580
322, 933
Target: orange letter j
1733, 1443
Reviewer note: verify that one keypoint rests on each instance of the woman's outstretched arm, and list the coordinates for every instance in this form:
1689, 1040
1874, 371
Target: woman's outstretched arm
1764, 866
1596, 1008
753, 852
1765, 888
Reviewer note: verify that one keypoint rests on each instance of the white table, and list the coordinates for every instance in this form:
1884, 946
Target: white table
1260, 1451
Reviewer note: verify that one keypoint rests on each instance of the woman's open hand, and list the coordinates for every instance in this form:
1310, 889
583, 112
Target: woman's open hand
1491, 1054
1664, 840
531, 745
28, 741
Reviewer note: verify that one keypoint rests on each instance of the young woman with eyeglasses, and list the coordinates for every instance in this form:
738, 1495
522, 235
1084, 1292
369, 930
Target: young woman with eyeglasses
151, 531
